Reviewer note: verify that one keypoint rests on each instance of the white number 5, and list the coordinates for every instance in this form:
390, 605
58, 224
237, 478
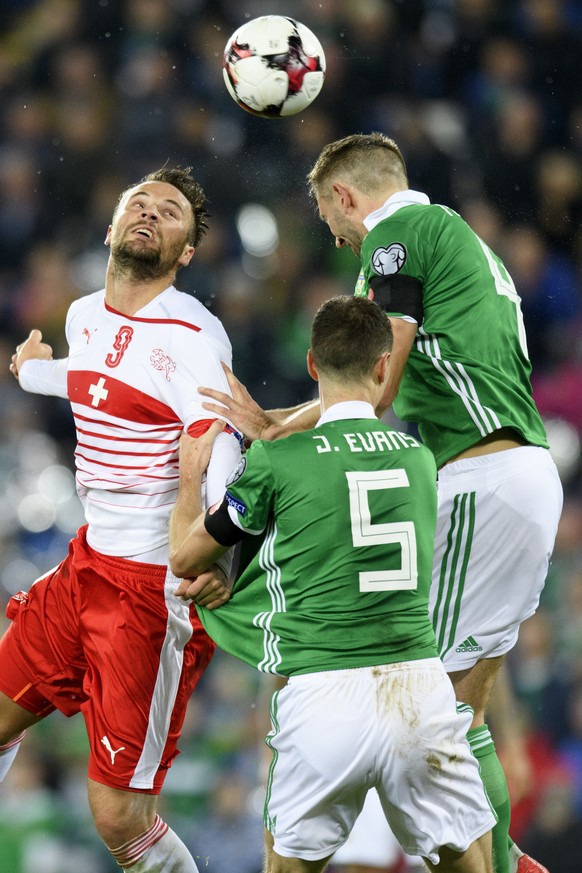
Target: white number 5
365, 533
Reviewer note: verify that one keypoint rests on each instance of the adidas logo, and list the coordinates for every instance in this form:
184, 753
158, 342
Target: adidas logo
469, 645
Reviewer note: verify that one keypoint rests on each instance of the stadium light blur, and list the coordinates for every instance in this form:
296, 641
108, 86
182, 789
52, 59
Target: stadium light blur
257, 228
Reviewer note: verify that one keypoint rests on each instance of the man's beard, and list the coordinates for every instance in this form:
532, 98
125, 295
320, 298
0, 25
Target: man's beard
144, 262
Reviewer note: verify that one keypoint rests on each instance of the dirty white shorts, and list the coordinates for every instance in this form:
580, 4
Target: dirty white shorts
497, 520
395, 727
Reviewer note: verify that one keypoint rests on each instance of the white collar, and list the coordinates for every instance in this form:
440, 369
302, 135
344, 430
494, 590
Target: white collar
393, 204
347, 409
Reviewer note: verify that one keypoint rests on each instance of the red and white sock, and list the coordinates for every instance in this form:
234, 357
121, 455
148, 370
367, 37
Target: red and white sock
157, 850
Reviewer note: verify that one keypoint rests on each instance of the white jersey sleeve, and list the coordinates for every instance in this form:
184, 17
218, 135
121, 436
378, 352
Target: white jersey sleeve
44, 377
226, 455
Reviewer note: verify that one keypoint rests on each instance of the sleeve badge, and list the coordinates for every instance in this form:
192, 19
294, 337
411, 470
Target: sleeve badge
390, 260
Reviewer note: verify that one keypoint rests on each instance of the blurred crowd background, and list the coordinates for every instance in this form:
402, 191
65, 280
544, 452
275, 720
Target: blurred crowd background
484, 98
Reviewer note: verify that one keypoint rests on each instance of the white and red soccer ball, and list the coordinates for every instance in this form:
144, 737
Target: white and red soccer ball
273, 66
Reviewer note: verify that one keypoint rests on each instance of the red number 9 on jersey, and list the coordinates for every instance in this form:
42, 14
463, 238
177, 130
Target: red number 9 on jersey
120, 344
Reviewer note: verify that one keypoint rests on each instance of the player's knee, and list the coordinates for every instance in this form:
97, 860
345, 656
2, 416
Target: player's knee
120, 817
7, 735
476, 859
116, 831
275, 863
14, 720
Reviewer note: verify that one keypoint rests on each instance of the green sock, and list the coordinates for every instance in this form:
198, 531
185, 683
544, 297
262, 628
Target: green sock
493, 778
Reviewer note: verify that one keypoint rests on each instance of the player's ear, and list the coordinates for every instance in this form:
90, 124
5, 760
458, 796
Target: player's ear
381, 368
186, 255
344, 195
311, 368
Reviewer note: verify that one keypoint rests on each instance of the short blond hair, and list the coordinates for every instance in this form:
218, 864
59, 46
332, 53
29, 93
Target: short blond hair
365, 160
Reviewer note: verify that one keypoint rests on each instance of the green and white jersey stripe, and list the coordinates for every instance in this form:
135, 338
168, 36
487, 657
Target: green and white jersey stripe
468, 373
459, 382
272, 576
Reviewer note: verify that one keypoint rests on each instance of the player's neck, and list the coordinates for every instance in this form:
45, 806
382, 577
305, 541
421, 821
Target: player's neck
330, 394
128, 295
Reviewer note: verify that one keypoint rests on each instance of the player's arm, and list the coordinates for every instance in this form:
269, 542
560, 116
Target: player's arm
33, 366
404, 333
246, 414
296, 418
226, 448
192, 549
402, 299
225, 457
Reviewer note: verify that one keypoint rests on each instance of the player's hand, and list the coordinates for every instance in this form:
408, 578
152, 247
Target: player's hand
31, 349
195, 451
244, 412
211, 589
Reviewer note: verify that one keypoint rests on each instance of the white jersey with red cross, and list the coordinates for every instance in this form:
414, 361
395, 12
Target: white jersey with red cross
132, 382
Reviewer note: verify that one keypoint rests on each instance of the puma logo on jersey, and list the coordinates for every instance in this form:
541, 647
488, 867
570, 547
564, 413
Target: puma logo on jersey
89, 333
112, 752
161, 361
386, 261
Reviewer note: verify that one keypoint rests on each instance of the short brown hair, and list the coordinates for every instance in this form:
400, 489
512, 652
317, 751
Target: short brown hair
348, 335
182, 179
363, 159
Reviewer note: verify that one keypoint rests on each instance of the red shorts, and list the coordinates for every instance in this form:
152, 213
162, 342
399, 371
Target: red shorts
106, 637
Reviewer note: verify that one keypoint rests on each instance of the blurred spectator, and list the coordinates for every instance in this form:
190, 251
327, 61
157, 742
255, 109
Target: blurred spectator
558, 183
548, 286
510, 156
20, 206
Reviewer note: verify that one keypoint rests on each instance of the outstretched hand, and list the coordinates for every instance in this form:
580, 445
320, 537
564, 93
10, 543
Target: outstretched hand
31, 348
211, 589
244, 412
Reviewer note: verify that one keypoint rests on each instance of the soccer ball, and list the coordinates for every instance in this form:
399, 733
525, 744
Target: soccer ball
273, 66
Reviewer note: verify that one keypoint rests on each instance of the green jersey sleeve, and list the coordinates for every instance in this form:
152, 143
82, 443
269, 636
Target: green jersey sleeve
250, 491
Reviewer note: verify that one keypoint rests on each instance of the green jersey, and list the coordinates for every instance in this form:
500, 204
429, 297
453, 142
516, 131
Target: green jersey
339, 576
468, 373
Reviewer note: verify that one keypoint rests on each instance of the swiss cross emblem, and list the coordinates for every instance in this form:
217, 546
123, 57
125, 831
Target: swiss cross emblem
98, 392
160, 361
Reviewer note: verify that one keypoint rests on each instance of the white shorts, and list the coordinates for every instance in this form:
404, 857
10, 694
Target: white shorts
371, 842
497, 520
395, 727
